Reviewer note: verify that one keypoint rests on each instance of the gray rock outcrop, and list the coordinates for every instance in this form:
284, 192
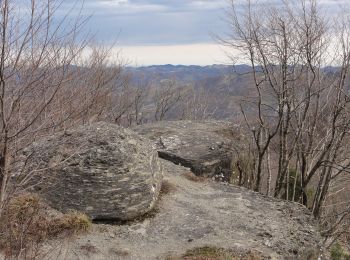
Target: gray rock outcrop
102, 169
205, 147
208, 214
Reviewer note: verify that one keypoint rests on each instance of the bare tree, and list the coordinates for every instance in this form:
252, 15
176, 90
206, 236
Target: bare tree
197, 104
123, 103
300, 109
44, 77
89, 96
166, 96
140, 94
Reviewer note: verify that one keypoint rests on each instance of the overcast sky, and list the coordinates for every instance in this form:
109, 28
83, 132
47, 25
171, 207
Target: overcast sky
164, 31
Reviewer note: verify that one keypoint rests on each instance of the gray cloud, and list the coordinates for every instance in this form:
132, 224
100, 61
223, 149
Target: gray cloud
155, 22
163, 22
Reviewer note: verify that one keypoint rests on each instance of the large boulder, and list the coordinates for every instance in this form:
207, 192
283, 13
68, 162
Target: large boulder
102, 169
206, 147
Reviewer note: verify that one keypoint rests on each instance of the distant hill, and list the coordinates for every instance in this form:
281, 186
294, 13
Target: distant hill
188, 74
226, 85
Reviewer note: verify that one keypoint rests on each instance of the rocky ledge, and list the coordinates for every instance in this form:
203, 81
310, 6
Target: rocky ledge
196, 214
117, 172
205, 147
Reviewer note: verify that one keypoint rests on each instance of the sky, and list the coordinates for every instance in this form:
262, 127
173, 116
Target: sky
150, 32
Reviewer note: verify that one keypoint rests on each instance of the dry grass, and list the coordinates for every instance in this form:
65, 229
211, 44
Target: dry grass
207, 252
120, 254
167, 188
26, 223
71, 223
192, 177
214, 253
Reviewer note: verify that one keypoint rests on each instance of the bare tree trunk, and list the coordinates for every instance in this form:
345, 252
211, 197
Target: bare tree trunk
269, 173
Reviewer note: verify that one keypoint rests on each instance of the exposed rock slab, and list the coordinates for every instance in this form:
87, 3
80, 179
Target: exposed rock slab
198, 214
205, 147
102, 169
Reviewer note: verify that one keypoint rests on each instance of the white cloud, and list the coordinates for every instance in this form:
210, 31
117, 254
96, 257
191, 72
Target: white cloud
205, 4
123, 7
115, 2
190, 54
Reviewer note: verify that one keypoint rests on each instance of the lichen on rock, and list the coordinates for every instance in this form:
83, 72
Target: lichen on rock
101, 169
205, 147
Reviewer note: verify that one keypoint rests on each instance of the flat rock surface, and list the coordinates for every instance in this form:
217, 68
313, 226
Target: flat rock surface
205, 147
198, 214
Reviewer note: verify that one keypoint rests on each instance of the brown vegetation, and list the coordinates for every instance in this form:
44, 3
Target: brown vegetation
26, 223
214, 253
192, 177
167, 188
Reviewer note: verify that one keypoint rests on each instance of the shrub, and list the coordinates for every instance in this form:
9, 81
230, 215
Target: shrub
337, 253
25, 224
22, 225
